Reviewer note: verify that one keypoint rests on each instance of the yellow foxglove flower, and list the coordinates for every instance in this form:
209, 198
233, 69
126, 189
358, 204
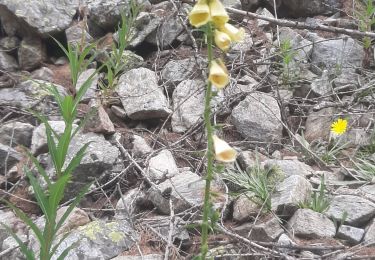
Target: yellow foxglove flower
222, 40
235, 34
218, 75
339, 127
223, 151
218, 14
200, 14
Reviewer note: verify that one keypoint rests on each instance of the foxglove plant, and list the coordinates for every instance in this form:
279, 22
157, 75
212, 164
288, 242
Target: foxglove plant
211, 17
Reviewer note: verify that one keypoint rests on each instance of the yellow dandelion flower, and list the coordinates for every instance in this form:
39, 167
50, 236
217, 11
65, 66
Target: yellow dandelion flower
339, 126
218, 14
223, 151
218, 75
222, 40
200, 14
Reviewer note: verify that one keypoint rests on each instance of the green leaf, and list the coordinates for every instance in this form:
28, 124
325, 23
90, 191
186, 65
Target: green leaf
39, 167
73, 205
56, 194
27, 252
63, 145
27, 220
66, 109
76, 160
39, 195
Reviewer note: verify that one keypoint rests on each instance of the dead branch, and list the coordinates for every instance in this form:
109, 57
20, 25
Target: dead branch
302, 25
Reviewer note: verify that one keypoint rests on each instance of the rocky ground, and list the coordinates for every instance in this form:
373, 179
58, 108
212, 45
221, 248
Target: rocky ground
147, 145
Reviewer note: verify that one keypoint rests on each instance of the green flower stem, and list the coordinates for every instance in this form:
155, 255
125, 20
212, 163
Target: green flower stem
210, 152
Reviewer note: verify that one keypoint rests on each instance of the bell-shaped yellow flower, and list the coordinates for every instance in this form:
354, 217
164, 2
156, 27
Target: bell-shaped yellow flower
218, 75
218, 14
223, 151
222, 40
200, 14
236, 35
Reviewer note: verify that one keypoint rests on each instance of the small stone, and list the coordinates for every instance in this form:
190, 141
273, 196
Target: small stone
140, 146
17, 133
176, 71
268, 231
244, 209
118, 111
162, 166
99, 122
290, 167
258, 118
289, 193
262, 23
141, 96
91, 91
77, 33
359, 210
7, 62
8, 158
250, 159
185, 190
307, 223
43, 73
31, 53
351, 234
188, 105
370, 232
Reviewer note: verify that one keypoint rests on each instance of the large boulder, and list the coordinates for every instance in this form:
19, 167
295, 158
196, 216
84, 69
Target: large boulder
141, 96
45, 17
306, 8
7, 62
257, 118
31, 53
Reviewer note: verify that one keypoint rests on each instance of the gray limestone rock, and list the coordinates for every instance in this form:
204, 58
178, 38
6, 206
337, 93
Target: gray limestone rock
141, 96
306, 223
99, 122
359, 210
140, 146
352, 235
267, 231
258, 118
176, 71
8, 158
43, 73
188, 104
7, 62
244, 209
185, 190
46, 17
31, 53
370, 232
162, 166
290, 167
17, 133
289, 193
93, 82
318, 124
146, 23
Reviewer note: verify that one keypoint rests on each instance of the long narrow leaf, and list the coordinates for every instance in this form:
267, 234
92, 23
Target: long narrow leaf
63, 144
57, 193
76, 160
39, 167
73, 205
27, 221
27, 252
39, 195
56, 246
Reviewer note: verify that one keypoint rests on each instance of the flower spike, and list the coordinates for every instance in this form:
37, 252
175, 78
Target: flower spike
235, 34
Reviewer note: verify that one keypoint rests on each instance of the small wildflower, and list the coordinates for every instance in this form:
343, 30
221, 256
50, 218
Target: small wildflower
339, 126
218, 75
218, 14
200, 15
222, 40
223, 151
235, 34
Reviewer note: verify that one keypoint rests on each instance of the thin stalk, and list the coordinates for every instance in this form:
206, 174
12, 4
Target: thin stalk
210, 153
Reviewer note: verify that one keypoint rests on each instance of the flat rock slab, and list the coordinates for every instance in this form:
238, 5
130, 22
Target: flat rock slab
291, 167
307, 223
359, 210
